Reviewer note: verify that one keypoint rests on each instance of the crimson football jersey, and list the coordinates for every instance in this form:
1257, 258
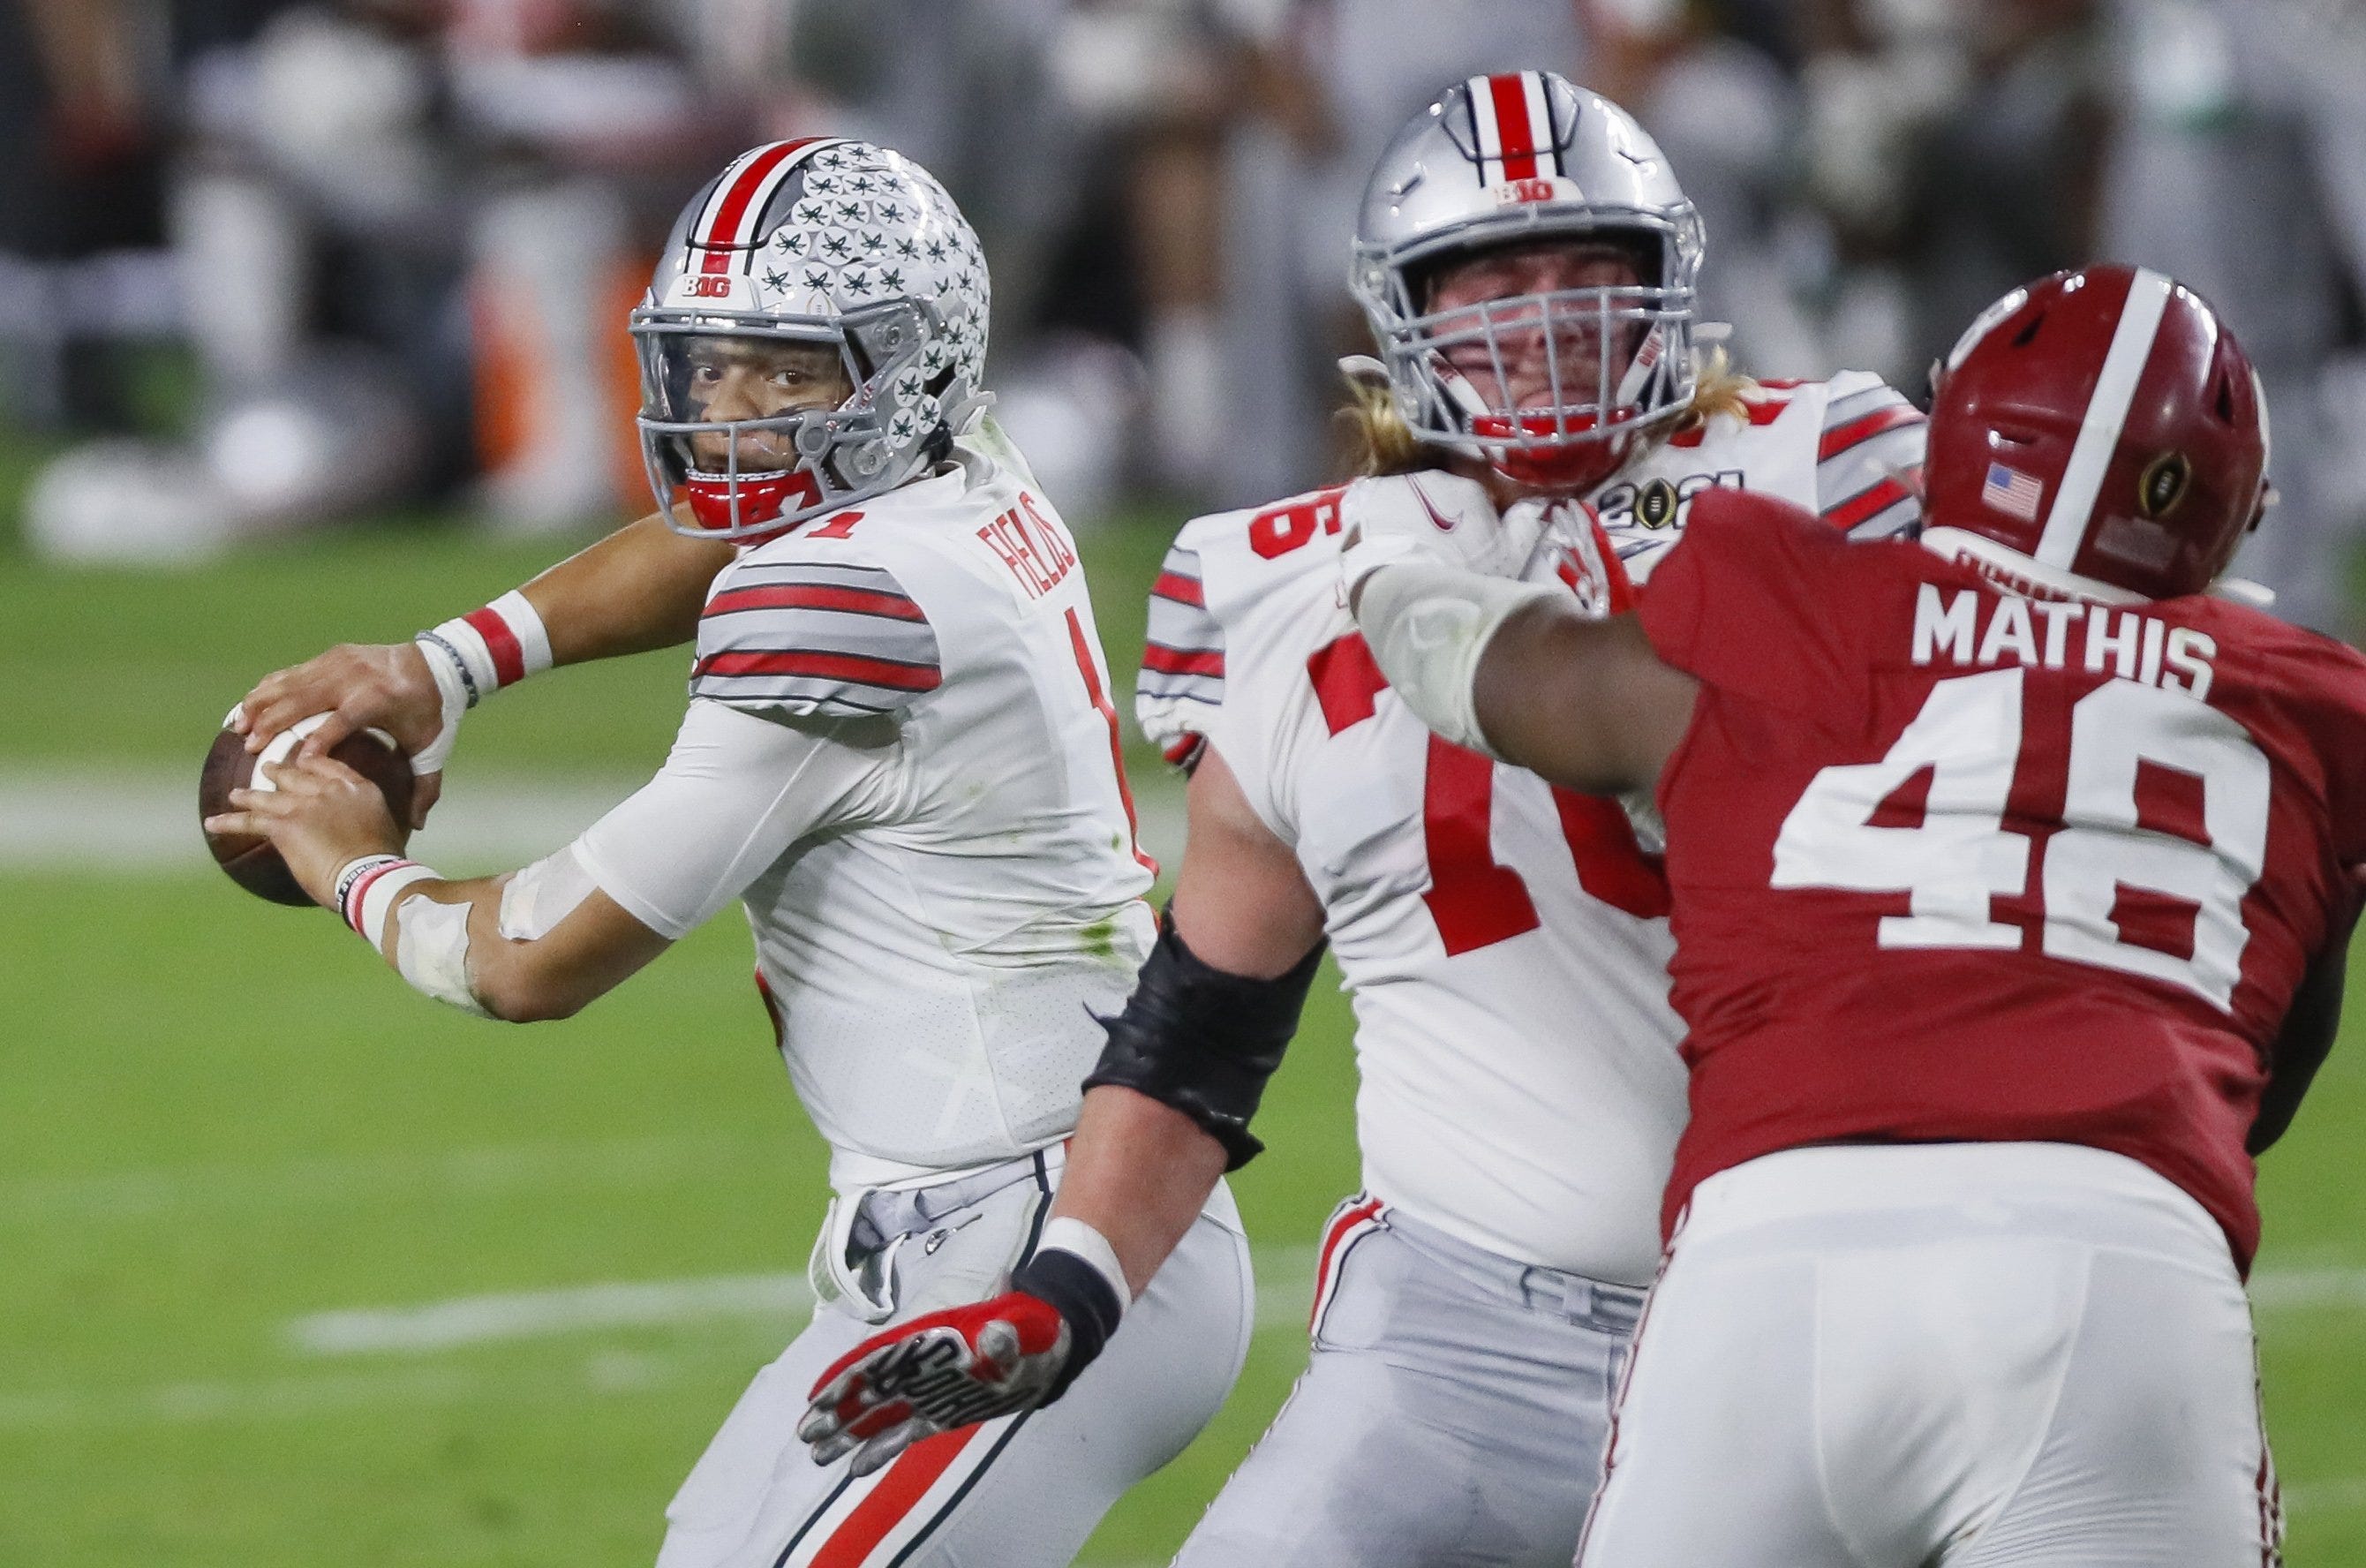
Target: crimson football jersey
1949, 865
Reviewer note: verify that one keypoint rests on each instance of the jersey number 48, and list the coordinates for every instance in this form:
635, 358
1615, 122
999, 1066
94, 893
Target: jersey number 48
2106, 874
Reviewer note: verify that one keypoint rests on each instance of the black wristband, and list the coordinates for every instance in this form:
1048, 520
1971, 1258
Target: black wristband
1082, 1297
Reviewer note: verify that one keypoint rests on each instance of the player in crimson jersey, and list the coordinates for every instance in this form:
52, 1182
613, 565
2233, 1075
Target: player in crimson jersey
1527, 259
2013, 874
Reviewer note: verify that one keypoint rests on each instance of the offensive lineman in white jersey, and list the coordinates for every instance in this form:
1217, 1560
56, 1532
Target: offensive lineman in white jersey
1505, 942
901, 755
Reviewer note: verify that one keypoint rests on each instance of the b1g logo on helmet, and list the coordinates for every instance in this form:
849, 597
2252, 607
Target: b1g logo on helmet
2163, 484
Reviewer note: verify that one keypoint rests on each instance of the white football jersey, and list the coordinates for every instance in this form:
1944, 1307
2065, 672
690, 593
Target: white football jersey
944, 916
1505, 944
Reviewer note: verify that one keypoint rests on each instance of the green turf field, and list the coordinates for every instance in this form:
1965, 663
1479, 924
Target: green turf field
220, 1120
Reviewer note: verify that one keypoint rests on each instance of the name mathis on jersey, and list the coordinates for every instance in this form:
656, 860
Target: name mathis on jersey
1968, 628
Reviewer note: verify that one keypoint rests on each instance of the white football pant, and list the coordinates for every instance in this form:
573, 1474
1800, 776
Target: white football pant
1022, 1491
1953, 1355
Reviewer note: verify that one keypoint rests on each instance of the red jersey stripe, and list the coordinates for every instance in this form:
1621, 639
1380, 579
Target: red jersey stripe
1868, 502
732, 211
897, 1493
817, 596
509, 659
1182, 661
1181, 589
1840, 438
1510, 94
821, 666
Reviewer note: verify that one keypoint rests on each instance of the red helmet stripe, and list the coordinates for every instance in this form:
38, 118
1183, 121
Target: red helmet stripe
2107, 413
741, 195
1508, 95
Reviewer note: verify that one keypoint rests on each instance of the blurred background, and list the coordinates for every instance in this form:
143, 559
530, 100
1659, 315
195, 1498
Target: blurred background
312, 329
270, 265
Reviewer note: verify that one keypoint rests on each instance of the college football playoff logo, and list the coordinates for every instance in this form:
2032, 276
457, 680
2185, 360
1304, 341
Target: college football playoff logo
2163, 484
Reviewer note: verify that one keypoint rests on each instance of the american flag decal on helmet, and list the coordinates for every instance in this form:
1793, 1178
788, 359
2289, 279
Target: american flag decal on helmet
1510, 120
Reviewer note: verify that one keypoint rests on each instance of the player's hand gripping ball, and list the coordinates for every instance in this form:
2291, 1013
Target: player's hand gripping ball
252, 861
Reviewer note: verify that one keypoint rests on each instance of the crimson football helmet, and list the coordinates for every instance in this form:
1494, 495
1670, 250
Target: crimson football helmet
2105, 429
848, 250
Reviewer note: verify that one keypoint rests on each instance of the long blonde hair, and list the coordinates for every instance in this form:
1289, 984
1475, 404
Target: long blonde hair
1378, 441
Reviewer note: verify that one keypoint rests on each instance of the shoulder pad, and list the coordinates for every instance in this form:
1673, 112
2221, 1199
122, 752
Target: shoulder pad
801, 637
1869, 458
1221, 567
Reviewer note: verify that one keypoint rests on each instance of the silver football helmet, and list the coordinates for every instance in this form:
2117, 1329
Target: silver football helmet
804, 261
1510, 161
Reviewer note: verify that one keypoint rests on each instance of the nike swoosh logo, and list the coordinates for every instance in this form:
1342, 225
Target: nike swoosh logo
1443, 526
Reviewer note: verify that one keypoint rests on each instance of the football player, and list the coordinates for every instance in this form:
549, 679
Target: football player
2014, 873
901, 755
1527, 259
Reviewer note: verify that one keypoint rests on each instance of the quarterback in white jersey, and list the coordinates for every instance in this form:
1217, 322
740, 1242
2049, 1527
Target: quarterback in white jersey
901, 755
1505, 944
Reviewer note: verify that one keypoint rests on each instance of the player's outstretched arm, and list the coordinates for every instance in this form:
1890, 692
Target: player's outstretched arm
449, 939
736, 791
1515, 671
639, 589
1166, 1113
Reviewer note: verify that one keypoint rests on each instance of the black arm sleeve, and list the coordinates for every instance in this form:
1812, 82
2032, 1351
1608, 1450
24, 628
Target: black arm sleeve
1204, 1042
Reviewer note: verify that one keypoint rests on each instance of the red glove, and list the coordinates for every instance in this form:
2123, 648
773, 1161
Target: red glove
963, 1365
947, 1370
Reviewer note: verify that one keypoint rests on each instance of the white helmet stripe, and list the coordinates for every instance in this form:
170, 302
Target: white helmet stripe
2107, 412
737, 208
1541, 125
1488, 134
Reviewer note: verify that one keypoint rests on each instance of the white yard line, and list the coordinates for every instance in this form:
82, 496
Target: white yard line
2279, 1290
405, 1335
625, 1162
2345, 1495
1285, 1288
146, 819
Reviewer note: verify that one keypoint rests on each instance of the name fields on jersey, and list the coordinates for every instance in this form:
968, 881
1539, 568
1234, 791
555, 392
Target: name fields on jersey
1034, 547
1968, 628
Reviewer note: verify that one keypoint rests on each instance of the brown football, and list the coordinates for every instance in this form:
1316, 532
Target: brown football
251, 862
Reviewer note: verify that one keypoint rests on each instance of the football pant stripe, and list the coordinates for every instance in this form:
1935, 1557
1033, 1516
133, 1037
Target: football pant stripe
1359, 1215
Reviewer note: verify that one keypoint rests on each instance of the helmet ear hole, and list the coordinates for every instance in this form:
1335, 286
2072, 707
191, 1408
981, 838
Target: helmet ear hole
2028, 333
2225, 401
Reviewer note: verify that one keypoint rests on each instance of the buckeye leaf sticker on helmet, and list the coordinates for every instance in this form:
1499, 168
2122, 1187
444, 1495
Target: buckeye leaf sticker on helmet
815, 335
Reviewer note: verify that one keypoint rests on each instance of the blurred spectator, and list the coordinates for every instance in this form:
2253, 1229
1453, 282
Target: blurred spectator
2240, 168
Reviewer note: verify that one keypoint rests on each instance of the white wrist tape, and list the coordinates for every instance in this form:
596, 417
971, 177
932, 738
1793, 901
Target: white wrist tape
370, 885
495, 646
1427, 626
1073, 1236
535, 900
452, 685
430, 952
